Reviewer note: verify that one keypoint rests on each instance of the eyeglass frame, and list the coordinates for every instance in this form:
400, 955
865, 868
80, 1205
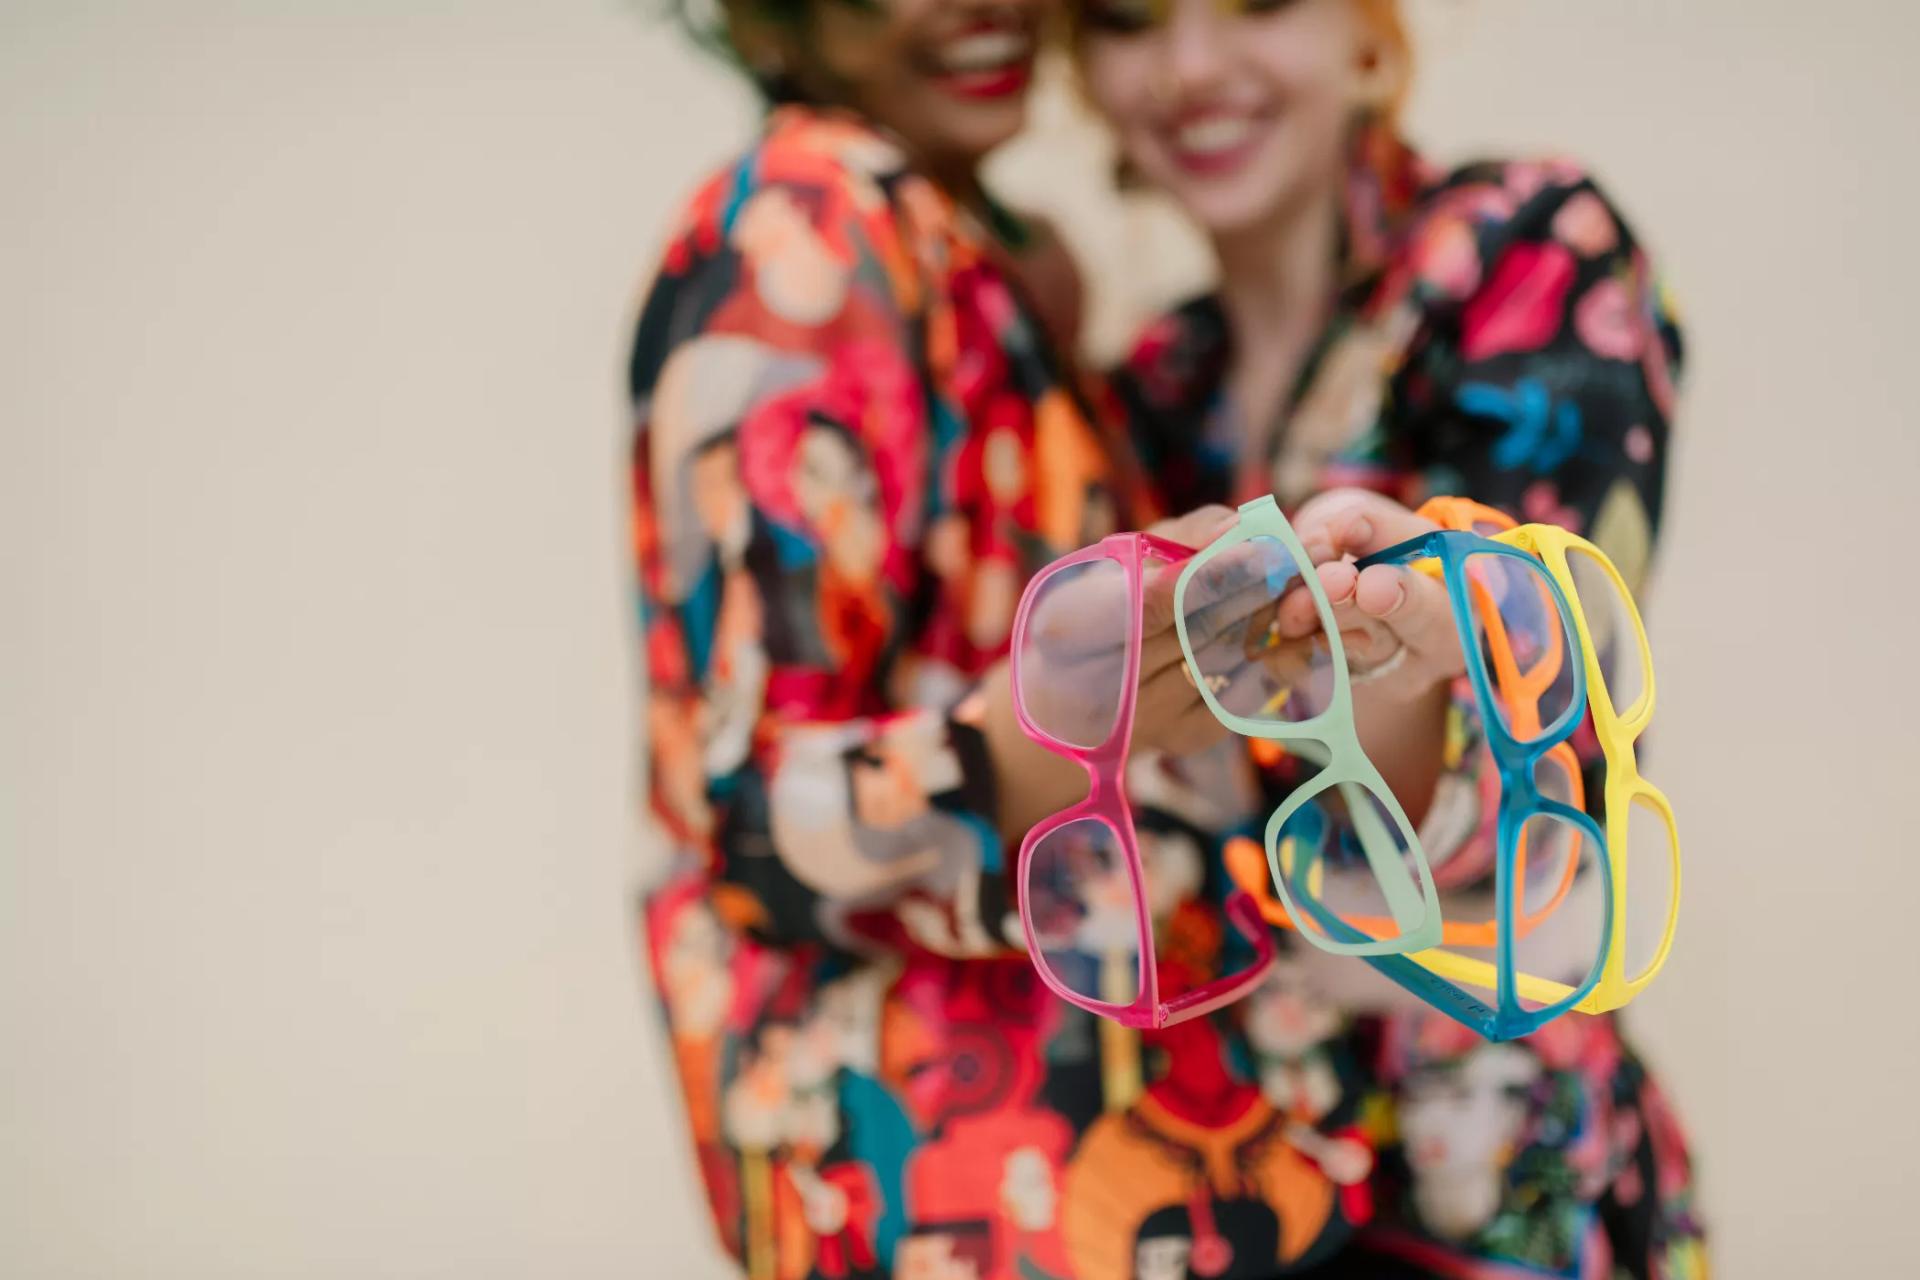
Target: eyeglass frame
1347, 766
1106, 803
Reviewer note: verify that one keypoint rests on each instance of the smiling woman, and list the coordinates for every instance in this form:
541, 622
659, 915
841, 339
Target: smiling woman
853, 445
1384, 330
949, 79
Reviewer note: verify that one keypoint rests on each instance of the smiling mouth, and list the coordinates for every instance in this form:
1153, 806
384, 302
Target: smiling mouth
985, 62
1213, 142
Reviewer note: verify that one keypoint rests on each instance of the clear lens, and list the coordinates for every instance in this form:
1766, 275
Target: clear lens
1523, 644
1256, 666
1467, 891
1560, 907
1085, 921
1073, 657
1333, 852
1611, 621
1650, 887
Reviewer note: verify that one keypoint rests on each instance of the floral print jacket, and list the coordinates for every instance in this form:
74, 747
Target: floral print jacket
852, 448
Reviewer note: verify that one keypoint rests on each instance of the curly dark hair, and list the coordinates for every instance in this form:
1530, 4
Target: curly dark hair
719, 27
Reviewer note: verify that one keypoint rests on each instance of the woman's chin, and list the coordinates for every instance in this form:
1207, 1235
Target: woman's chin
964, 133
1223, 204
1223, 210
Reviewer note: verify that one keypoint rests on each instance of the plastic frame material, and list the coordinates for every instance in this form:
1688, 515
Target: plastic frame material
1415, 909
1617, 731
1106, 803
1516, 750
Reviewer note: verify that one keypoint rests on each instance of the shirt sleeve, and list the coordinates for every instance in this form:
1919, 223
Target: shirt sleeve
781, 470
1543, 384
1546, 388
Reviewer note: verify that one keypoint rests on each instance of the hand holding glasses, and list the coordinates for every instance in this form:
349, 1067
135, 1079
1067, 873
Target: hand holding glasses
1076, 677
1516, 633
1340, 853
1297, 690
1077, 684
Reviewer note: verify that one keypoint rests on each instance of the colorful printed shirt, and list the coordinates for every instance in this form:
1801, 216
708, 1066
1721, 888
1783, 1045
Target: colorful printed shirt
853, 447
1499, 334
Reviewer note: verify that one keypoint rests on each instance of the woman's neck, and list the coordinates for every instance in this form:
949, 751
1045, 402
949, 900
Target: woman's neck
955, 173
1277, 276
1277, 280
957, 176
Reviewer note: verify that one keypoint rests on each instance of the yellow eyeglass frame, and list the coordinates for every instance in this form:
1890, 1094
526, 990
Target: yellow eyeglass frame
1617, 732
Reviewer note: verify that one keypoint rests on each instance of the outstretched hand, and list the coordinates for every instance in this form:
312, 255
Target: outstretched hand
1397, 625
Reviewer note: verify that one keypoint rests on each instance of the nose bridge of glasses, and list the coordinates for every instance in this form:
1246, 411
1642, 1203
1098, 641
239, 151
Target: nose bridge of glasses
1568, 762
1107, 784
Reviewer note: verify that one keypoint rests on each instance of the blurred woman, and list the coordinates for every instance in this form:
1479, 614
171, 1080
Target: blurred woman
1384, 331
855, 440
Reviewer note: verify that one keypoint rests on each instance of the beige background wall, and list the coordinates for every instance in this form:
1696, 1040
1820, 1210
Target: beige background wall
316, 707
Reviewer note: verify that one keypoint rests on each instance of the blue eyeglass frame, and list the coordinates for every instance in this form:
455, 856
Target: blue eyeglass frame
1520, 800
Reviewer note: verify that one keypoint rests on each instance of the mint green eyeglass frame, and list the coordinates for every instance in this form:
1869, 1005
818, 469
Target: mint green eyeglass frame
1414, 907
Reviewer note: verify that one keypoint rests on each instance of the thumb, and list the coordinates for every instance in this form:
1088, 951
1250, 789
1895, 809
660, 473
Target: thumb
1373, 524
1197, 527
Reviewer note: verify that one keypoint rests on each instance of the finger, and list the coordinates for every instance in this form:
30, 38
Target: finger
1171, 711
1369, 645
1315, 514
1300, 614
1232, 583
1415, 608
1198, 527
1205, 616
1164, 698
1162, 652
1217, 606
1156, 599
1370, 523
1079, 612
1194, 730
1366, 638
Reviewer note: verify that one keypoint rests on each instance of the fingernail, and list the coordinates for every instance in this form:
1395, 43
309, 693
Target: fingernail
1319, 551
1399, 596
1360, 531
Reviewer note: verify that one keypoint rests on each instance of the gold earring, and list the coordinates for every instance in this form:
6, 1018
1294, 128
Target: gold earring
1376, 78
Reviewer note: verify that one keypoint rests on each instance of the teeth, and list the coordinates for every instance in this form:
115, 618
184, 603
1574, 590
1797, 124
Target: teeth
1214, 134
986, 51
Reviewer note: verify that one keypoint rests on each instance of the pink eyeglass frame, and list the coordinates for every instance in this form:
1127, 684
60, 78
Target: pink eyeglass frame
1106, 803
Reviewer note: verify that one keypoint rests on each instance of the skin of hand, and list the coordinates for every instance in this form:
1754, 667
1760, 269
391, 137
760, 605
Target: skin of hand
1169, 714
1391, 618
